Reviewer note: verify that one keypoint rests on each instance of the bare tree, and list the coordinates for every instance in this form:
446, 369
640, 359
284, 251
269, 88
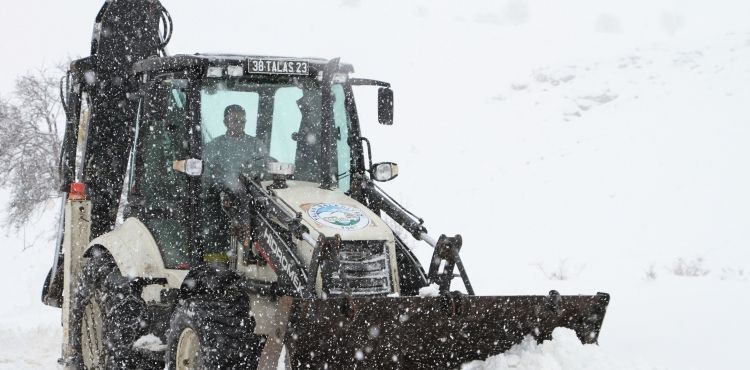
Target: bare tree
692, 268
30, 125
564, 271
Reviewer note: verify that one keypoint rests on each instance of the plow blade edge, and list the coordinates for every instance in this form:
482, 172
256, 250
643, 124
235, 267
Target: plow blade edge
430, 332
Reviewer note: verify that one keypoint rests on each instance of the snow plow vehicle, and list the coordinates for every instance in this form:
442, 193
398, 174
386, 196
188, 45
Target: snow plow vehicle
253, 234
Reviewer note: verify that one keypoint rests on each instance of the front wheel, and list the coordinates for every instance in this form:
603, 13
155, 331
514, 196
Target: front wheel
188, 354
107, 317
208, 334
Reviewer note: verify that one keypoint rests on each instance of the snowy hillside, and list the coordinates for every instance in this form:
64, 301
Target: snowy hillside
581, 146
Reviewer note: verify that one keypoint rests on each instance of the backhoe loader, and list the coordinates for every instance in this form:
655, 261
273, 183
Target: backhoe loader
252, 232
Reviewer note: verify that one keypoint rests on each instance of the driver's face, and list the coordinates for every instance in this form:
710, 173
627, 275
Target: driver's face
235, 122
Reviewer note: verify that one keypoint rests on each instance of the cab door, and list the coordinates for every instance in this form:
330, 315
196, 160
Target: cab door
159, 195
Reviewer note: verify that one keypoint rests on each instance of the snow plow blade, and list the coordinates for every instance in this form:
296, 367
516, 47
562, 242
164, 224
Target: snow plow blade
430, 332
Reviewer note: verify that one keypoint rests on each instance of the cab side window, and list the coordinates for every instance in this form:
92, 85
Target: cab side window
160, 192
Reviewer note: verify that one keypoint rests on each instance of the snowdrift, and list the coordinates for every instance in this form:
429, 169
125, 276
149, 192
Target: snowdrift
563, 352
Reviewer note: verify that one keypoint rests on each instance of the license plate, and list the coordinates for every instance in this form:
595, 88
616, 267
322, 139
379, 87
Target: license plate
282, 67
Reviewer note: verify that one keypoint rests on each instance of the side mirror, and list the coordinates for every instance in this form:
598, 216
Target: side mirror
385, 171
385, 106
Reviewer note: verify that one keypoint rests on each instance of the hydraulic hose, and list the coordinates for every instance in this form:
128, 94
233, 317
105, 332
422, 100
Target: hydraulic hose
166, 35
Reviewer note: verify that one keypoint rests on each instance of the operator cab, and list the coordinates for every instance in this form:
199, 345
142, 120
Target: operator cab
231, 115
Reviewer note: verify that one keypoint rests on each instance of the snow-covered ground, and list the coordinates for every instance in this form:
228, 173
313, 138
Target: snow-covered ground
583, 146
563, 352
30, 332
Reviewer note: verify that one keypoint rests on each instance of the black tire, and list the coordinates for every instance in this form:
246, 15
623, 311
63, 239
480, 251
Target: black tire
105, 295
224, 332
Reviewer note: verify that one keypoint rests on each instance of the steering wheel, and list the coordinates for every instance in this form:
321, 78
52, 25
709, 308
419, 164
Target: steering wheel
256, 168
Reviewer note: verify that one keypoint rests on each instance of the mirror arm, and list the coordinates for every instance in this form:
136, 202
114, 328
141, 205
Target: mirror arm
369, 152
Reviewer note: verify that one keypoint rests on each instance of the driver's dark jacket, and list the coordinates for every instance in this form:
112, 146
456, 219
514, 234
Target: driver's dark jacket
224, 159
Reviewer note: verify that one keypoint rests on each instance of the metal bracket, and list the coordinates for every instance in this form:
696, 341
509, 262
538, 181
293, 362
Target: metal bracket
446, 254
554, 301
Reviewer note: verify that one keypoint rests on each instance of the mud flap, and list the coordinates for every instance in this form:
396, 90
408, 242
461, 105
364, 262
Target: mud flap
430, 332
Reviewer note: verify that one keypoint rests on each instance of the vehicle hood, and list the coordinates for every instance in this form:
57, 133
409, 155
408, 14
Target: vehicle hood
331, 212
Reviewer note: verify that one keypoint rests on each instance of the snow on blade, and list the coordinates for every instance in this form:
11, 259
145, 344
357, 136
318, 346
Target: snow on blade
563, 352
150, 342
432, 290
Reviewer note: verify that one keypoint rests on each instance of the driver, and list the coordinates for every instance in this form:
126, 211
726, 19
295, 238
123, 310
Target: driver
225, 158
227, 155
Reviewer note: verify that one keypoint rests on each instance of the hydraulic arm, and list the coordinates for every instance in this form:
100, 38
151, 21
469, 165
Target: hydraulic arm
99, 107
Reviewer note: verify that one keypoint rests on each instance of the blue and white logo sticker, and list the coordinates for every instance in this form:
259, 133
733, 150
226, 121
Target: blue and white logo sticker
338, 216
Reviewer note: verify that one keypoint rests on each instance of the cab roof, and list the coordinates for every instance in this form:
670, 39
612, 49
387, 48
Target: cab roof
185, 61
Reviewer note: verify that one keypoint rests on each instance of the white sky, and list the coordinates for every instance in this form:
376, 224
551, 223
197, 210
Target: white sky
38, 33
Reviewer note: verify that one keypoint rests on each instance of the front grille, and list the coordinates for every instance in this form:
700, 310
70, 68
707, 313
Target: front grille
366, 266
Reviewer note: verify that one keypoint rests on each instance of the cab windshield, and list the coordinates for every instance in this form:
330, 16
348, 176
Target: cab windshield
247, 123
